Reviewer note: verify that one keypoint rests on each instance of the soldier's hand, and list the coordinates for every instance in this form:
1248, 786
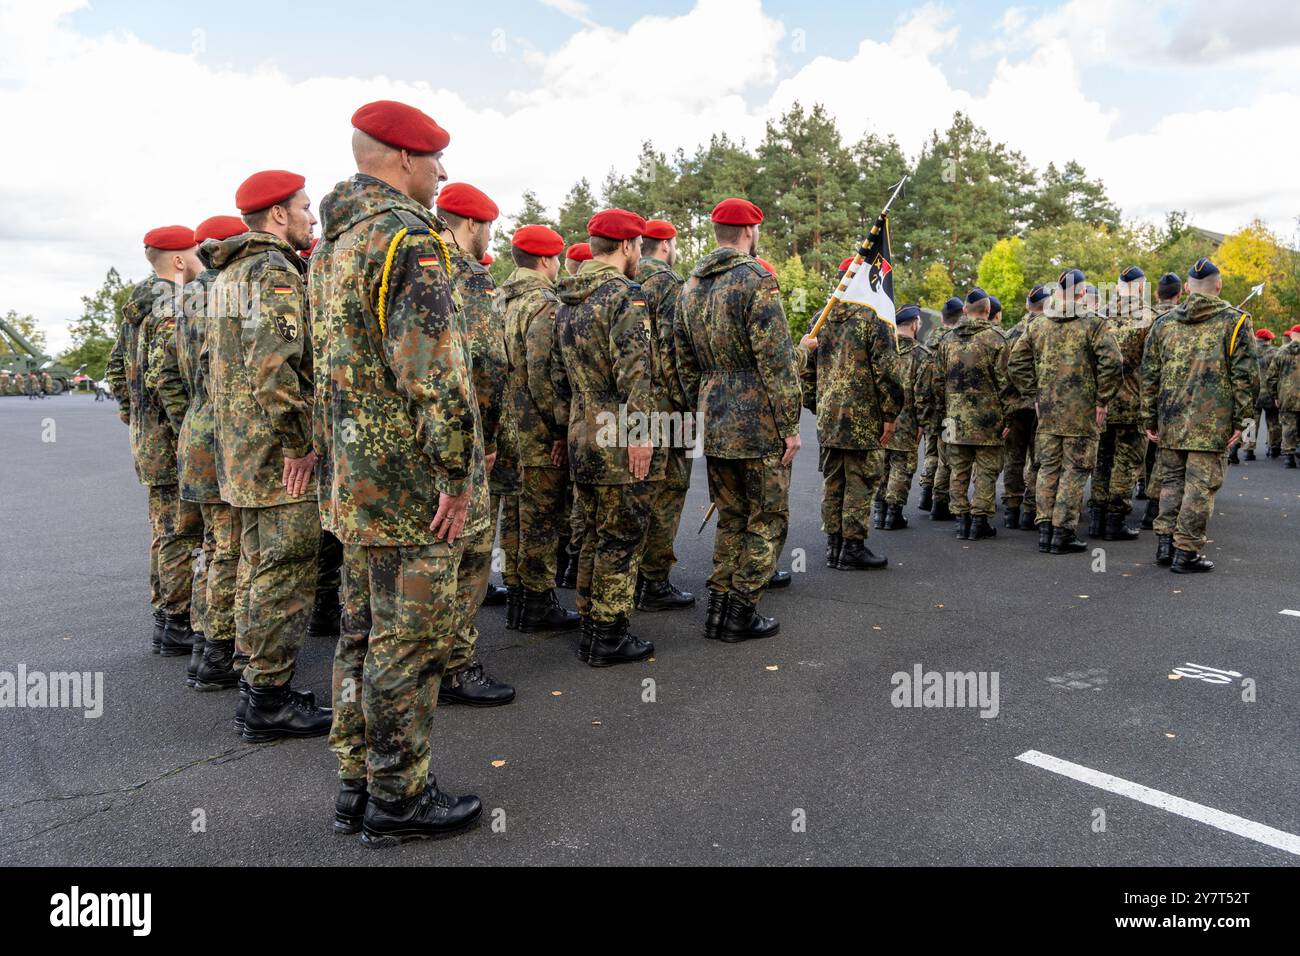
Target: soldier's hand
638, 460
887, 434
1236, 437
489, 461
792, 445
450, 518
558, 450
297, 473
1153, 436
1101, 416
809, 343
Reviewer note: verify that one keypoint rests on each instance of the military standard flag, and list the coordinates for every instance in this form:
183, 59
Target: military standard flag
869, 280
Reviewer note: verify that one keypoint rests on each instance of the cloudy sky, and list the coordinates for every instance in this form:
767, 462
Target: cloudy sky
122, 116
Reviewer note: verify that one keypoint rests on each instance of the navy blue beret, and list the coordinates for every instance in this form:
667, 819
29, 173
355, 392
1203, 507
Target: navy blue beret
975, 295
1071, 277
1090, 288
1038, 293
1203, 268
994, 305
907, 313
952, 306
1169, 285
1132, 274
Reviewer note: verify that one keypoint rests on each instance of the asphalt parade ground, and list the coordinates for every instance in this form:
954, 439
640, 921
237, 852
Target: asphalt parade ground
1130, 716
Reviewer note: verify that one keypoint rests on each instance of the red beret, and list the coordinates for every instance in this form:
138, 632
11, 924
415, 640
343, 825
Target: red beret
659, 229
579, 252
1263, 334
737, 212
1294, 328
486, 260
170, 238
267, 188
401, 127
540, 241
844, 266
464, 200
616, 224
306, 253
219, 227
766, 265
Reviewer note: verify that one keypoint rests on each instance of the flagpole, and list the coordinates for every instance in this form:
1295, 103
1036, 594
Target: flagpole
857, 260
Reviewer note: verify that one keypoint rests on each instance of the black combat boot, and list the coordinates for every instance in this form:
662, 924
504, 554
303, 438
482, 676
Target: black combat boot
894, 519
661, 596
216, 670
1233, 457
281, 711
1250, 454
1045, 532
927, 498
833, 544
961, 527
1275, 451
1164, 549
159, 625
1117, 530
196, 657
1288, 460
742, 622
940, 510
779, 579
1149, 516
350, 805
473, 685
1189, 562
981, 528
241, 704
612, 644
1096, 520
715, 611
877, 514
326, 614
1028, 518
856, 556
178, 638
542, 612
1064, 541
1011, 517
428, 815
584, 640
514, 607
496, 595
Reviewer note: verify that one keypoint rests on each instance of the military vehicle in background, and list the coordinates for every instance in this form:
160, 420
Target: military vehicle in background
19, 356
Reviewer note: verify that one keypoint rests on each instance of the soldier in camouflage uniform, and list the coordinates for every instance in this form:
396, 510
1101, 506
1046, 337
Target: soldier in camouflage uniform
1019, 458
1168, 290
1264, 408
1281, 396
260, 385
853, 380
738, 370
661, 287
542, 510
402, 471
934, 483
970, 392
1121, 451
604, 376
904, 441
466, 215
1069, 362
1199, 386
134, 365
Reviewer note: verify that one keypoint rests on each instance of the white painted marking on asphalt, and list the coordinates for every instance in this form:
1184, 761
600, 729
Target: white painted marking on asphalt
1278, 839
1291, 612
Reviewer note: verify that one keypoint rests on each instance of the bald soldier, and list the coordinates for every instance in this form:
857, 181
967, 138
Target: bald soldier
148, 329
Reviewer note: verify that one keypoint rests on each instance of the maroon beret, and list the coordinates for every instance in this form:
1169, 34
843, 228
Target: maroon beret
539, 241
219, 227
844, 266
1263, 334
737, 212
659, 229
401, 127
616, 224
464, 200
170, 238
579, 252
267, 188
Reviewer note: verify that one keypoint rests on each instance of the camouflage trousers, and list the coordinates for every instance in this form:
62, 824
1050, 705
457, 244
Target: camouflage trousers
222, 582
930, 459
399, 622
897, 483
980, 463
472, 571
1188, 483
614, 521
850, 478
1019, 462
1121, 455
280, 544
1064, 464
1290, 430
753, 499
510, 540
658, 556
940, 474
177, 531
544, 518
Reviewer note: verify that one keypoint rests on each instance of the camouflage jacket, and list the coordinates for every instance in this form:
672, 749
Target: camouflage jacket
662, 287
853, 378
259, 367
601, 362
134, 366
1130, 327
1265, 354
1018, 402
475, 293
912, 359
1196, 387
528, 304
935, 334
396, 418
735, 358
1282, 381
186, 365
1071, 365
970, 383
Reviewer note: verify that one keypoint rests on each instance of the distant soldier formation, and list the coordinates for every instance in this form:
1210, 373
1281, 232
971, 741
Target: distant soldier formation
335, 432
32, 384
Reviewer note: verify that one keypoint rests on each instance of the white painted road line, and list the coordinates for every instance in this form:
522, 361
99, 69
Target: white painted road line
1289, 611
1278, 839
